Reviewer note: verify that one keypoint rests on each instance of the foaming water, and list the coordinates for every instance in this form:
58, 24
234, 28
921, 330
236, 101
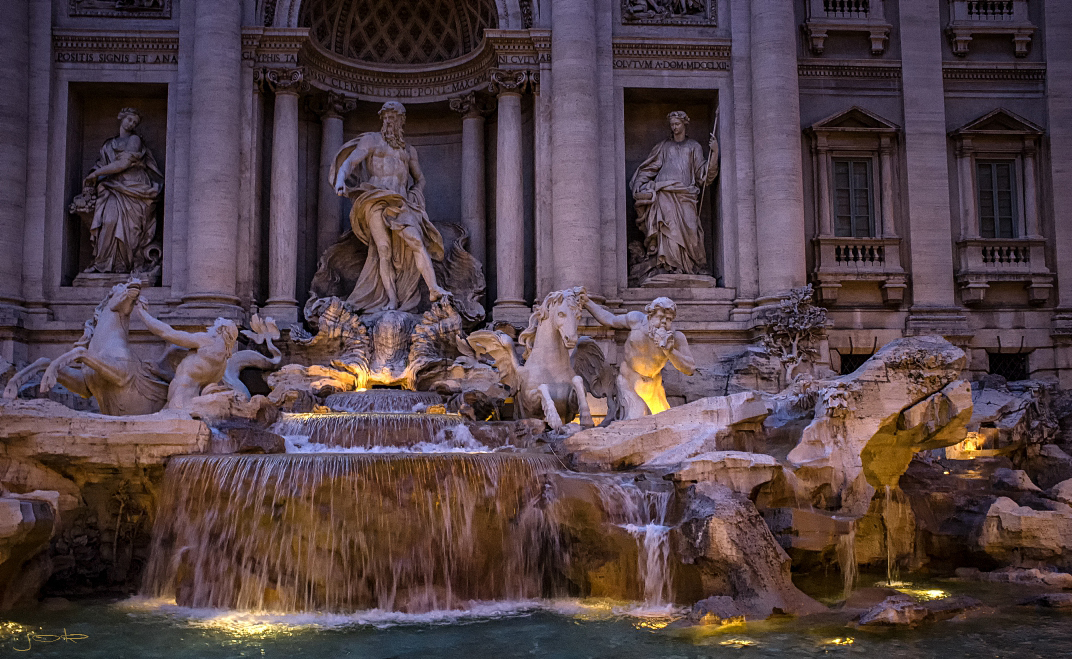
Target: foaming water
349, 430
383, 400
452, 439
339, 533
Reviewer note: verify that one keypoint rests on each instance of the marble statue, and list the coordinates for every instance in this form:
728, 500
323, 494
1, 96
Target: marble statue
651, 343
666, 190
551, 383
380, 172
122, 196
102, 364
263, 331
205, 364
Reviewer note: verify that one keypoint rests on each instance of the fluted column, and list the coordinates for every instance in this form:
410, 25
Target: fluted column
330, 206
509, 200
574, 146
283, 203
776, 138
885, 155
1030, 191
474, 208
14, 103
215, 130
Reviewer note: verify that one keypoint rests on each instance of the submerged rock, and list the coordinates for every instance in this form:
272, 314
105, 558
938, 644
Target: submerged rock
904, 610
1015, 575
1051, 601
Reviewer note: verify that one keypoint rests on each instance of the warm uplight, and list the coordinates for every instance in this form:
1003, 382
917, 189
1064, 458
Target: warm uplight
9, 629
654, 623
245, 628
924, 593
737, 642
839, 641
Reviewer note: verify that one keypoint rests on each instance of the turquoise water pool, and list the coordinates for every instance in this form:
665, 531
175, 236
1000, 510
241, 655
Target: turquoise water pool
145, 629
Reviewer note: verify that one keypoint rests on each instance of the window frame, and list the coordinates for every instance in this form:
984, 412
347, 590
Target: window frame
851, 157
1016, 193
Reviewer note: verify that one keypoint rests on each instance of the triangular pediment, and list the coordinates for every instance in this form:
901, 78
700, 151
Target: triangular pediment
855, 118
1000, 122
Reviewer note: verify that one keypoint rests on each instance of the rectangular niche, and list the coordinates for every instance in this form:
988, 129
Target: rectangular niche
646, 125
92, 120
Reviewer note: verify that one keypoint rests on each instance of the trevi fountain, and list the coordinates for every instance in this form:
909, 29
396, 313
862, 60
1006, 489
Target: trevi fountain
282, 393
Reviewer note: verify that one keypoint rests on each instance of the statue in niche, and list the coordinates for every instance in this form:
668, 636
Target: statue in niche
380, 172
121, 195
666, 190
652, 342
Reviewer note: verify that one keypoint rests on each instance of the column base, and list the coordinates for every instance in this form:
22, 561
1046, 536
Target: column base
205, 308
285, 312
515, 312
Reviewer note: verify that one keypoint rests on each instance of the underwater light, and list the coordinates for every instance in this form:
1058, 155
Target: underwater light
737, 642
924, 593
848, 640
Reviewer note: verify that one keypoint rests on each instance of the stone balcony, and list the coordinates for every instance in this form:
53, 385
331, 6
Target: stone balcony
984, 261
826, 16
842, 260
1000, 17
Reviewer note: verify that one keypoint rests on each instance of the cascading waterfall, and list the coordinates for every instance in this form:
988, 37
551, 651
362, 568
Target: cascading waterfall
643, 514
383, 400
846, 558
350, 430
345, 532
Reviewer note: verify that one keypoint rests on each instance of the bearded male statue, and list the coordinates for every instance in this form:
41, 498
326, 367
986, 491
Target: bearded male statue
380, 172
651, 343
666, 188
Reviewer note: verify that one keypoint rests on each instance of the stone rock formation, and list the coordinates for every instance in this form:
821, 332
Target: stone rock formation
1014, 534
26, 526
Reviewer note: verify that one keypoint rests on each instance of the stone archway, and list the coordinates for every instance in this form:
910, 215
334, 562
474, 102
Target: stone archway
287, 13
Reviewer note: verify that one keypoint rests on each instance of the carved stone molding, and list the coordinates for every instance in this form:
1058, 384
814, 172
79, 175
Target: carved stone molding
669, 12
472, 104
284, 81
510, 82
145, 48
638, 53
120, 8
996, 73
332, 104
888, 70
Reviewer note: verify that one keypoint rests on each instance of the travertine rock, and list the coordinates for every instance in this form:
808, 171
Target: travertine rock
741, 472
36, 429
1062, 492
668, 438
25, 529
868, 424
1014, 479
724, 536
903, 610
1013, 533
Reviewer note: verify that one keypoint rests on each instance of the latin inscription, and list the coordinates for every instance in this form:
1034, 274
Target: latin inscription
671, 65
116, 58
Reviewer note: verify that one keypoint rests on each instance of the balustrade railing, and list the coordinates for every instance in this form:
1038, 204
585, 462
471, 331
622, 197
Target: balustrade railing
990, 10
860, 254
1006, 255
847, 8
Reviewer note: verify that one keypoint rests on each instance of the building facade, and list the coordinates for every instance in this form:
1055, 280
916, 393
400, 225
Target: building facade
908, 158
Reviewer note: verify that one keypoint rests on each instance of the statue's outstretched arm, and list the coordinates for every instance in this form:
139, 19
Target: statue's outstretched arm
167, 332
681, 355
605, 317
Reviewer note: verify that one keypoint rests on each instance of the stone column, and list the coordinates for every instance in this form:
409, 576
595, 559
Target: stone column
778, 170
542, 231
969, 225
885, 160
927, 174
283, 203
826, 222
575, 176
36, 163
14, 117
330, 205
215, 132
740, 171
1059, 111
509, 200
474, 212
1031, 221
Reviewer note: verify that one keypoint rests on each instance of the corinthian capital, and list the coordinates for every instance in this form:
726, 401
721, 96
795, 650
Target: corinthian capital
472, 104
332, 105
284, 81
510, 82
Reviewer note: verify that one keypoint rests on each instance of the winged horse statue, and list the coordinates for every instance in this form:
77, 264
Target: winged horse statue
559, 365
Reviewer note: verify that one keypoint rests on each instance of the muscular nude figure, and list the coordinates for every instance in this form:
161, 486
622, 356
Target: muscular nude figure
203, 366
389, 216
651, 343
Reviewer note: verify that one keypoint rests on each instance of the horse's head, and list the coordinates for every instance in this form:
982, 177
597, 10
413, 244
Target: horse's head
123, 297
562, 311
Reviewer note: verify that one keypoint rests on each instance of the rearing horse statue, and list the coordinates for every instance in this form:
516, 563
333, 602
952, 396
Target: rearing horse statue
558, 362
102, 364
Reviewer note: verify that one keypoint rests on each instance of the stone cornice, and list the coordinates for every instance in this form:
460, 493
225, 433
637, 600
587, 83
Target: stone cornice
1019, 72
638, 53
849, 69
107, 47
325, 70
